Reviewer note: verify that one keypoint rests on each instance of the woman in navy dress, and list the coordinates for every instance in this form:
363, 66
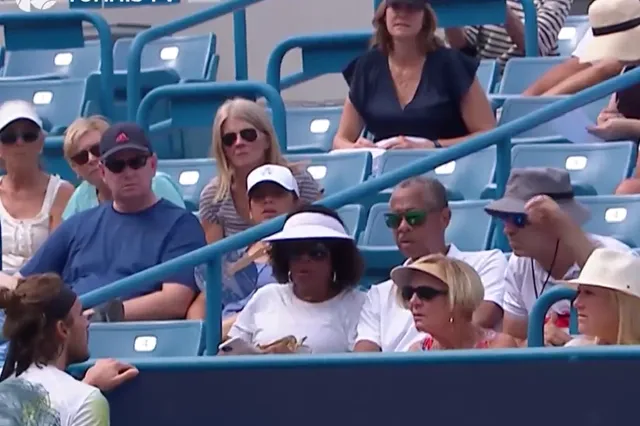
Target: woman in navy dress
409, 86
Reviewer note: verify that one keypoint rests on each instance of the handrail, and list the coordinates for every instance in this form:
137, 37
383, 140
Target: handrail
211, 254
223, 90
154, 33
104, 36
535, 333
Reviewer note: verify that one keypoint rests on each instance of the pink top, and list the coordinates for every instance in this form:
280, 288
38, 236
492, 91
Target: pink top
484, 343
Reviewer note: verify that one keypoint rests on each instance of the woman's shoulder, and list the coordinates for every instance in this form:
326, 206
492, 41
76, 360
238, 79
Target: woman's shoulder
368, 61
208, 196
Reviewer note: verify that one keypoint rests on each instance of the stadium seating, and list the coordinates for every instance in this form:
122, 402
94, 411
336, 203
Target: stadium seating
353, 216
311, 129
520, 73
615, 216
487, 74
594, 168
571, 33
192, 175
146, 339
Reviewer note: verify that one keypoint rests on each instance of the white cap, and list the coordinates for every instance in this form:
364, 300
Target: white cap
273, 173
11, 111
612, 269
308, 225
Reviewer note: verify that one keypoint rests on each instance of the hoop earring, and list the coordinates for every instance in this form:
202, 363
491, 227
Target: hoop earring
335, 276
289, 275
450, 320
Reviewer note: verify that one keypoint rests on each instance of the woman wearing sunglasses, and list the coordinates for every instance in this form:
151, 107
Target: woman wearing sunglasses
442, 294
318, 267
243, 139
82, 152
31, 201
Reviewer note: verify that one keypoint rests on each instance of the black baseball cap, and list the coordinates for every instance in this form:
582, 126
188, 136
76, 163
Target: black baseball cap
121, 136
414, 3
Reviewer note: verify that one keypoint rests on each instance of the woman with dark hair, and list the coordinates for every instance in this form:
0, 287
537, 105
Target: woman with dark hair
47, 332
316, 302
409, 90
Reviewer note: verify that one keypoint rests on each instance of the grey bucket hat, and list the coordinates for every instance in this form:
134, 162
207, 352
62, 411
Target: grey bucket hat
524, 184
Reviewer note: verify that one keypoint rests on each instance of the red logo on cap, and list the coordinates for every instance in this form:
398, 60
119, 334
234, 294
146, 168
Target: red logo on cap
122, 138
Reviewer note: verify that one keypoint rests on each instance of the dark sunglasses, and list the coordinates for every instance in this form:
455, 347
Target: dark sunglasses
424, 293
516, 219
315, 251
413, 218
249, 135
9, 138
82, 157
118, 166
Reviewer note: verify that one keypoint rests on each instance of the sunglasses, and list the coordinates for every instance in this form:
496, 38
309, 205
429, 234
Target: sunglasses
249, 135
315, 251
82, 157
134, 163
9, 138
424, 293
517, 219
413, 218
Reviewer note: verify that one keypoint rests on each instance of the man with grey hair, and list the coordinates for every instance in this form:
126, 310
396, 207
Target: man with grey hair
419, 215
540, 254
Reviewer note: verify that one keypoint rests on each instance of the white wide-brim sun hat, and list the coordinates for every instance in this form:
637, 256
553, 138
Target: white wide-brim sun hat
615, 25
310, 225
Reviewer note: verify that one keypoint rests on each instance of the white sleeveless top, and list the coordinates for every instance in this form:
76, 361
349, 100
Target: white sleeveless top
22, 237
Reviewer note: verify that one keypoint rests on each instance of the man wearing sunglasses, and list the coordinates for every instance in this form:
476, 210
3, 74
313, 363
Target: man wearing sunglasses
131, 233
419, 215
541, 255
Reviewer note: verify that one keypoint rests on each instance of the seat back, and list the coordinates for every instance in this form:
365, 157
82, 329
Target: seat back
353, 216
597, 167
617, 216
311, 129
520, 73
152, 339
487, 74
192, 175
335, 171
575, 27
75, 63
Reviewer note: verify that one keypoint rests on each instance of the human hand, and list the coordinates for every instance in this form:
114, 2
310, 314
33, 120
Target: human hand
607, 114
107, 374
544, 212
614, 128
553, 335
402, 142
364, 143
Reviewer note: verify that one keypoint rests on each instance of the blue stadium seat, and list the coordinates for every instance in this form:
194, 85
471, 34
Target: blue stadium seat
575, 27
58, 101
153, 339
192, 57
353, 216
73, 63
595, 169
515, 108
487, 74
469, 230
192, 175
617, 216
311, 129
335, 171
465, 178
520, 73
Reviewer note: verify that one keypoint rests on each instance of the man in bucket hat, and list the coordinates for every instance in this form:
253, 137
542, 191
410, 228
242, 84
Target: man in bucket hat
541, 254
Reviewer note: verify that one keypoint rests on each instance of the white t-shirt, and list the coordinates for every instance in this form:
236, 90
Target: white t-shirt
584, 43
519, 293
275, 312
51, 397
390, 326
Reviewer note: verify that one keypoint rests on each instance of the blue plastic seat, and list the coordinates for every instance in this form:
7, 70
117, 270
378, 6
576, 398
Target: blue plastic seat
154, 339
191, 175
487, 74
62, 63
465, 178
311, 129
58, 101
353, 216
335, 171
575, 27
515, 108
469, 230
520, 73
617, 216
596, 169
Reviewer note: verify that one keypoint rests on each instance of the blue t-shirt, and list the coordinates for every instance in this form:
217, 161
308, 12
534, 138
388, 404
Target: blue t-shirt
433, 113
98, 246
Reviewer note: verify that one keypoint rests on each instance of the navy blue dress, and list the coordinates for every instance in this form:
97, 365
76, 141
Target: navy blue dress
434, 112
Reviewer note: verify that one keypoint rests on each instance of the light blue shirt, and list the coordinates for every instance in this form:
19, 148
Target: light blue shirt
85, 196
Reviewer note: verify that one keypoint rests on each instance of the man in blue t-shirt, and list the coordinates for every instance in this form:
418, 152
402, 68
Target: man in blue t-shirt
132, 233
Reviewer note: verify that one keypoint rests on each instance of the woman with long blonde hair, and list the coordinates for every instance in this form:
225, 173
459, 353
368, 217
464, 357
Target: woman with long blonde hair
243, 139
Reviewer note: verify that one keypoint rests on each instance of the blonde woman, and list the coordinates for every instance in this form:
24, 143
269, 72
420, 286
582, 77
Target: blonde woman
243, 139
82, 152
442, 294
608, 299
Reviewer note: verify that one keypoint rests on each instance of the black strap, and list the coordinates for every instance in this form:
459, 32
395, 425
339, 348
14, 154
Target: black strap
558, 196
616, 28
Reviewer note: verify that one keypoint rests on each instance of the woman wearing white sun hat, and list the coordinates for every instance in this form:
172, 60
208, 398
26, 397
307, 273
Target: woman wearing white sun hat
608, 301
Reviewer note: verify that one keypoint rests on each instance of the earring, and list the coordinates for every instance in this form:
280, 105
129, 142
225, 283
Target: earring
290, 280
335, 276
450, 320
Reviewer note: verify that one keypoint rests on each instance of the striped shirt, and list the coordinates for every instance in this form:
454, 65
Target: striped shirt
493, 42
224, 212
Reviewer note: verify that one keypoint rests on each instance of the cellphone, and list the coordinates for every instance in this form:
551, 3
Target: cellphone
237, 346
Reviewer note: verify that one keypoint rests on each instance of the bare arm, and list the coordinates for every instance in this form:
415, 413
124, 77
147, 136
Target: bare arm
515, 28
197, 310
456, 37
213, 231
515, 326
351, 125
65, 191
171, 302
556, 76
487, 315
366, 346
590, 76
